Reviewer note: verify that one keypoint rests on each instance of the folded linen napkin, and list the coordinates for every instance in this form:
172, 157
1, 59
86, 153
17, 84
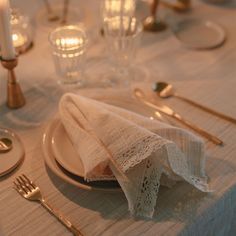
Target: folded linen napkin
115, 143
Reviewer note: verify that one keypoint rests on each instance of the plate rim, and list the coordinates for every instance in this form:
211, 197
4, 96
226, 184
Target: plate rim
48, 161
56, 153
215, 26
20, 160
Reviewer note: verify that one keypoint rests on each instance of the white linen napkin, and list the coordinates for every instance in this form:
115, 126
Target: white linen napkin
115, 143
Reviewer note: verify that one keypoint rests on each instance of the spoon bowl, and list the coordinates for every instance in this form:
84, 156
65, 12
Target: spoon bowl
5, 145
163, 89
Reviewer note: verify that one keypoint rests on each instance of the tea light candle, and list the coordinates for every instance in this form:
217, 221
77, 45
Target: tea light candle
70, 47
69, 43
7, 48
19, 39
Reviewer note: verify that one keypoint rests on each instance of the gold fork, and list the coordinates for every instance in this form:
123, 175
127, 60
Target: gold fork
27, 189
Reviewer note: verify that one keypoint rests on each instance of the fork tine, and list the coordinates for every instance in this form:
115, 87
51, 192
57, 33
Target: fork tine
23, 185
19, 189
29, 181
26, 184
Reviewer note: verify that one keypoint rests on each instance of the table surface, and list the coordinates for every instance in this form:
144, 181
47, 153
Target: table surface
207, 76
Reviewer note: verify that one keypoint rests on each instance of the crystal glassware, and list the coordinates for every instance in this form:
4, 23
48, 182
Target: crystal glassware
69, 44
22, 35
111, 8
122, 36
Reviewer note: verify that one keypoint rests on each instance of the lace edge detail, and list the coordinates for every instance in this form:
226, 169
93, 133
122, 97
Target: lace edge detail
154, 144
149, 187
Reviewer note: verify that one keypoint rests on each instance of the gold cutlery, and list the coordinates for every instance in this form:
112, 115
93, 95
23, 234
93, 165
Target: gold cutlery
168, 111
5, 145
27, 189
51, 15
165, 90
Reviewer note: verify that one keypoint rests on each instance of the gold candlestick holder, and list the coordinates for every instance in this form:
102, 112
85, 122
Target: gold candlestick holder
152, 23
15, 97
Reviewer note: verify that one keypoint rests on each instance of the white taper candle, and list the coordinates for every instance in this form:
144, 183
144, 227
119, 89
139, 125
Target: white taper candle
6, 44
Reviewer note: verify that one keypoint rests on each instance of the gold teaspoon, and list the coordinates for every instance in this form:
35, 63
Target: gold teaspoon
170, 112
165, 90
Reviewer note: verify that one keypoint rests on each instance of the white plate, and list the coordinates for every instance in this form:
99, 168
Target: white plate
64, 152
62, 159
65, 175
199, 34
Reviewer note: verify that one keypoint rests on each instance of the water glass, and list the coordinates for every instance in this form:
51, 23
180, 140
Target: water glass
69, 44
111, 8
122, 35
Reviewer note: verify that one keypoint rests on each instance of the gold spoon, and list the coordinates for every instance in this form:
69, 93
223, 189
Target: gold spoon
5, 145
170, 112
165, 90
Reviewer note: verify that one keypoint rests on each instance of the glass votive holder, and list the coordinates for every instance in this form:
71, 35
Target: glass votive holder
69, 45
22, 35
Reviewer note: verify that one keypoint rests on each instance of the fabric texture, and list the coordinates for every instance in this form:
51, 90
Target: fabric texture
114, 143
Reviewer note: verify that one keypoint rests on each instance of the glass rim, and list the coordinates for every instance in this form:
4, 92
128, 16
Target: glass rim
138, 22
70, 27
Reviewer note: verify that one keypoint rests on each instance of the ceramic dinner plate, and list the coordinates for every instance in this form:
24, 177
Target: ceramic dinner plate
61, 157
199, 34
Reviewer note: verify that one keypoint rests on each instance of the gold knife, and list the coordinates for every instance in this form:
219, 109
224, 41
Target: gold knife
170, 112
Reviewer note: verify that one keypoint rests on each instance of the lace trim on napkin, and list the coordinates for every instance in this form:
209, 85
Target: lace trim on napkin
146, 199
146, 195
140, 150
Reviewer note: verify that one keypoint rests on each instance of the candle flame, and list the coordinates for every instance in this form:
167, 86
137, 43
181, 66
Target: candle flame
18, 39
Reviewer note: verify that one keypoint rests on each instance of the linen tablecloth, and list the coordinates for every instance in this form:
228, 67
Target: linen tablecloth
205, 76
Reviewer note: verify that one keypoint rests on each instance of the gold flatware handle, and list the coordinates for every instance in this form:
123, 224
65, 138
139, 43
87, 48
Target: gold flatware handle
170, 112
61, 218
199, 130
207, 109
